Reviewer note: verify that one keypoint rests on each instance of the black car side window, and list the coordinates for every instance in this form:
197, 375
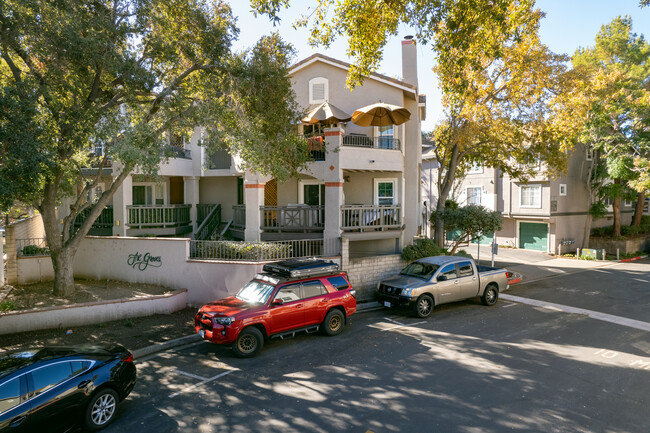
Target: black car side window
49, 376
339, 282
9, 394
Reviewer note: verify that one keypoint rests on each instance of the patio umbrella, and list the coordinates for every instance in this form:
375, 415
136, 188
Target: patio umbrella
380, 114
326, 113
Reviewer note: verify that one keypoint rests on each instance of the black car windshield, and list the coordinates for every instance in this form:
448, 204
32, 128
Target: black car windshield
420, 270
255, 292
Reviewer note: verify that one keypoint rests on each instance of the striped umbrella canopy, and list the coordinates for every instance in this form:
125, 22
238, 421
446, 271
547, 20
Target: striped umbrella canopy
326, 113
380, 114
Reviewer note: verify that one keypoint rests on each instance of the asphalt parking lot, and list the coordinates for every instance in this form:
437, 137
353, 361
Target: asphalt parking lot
468, 368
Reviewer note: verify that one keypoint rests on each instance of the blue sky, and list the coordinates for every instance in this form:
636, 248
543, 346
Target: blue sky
568, 24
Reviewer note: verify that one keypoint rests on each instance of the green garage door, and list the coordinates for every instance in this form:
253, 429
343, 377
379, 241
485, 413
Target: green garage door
533, 236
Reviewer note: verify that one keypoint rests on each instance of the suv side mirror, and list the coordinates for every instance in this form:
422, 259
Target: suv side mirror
277, 302
442, 278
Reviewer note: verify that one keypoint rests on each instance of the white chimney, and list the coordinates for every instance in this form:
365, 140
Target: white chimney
409, 61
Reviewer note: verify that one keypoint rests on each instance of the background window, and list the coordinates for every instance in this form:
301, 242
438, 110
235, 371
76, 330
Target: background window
475, 168
474, 195
386, 134
531, 196
385, 193
562, 189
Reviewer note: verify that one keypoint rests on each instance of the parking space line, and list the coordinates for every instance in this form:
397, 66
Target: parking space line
643, 281
193, 376
394, 321
203, 382
401, 325
623, 321
508, 305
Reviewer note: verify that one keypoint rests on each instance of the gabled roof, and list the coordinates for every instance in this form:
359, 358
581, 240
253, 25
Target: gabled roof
346, 66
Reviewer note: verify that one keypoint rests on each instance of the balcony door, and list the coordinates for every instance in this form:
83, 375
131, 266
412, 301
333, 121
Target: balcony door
176, 190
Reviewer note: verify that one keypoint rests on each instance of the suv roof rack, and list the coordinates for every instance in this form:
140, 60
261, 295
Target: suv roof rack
294, 268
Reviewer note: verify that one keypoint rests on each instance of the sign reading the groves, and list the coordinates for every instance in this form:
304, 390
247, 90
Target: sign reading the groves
141, 262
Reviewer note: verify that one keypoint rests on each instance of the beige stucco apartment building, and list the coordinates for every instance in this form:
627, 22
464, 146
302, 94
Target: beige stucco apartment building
545, 213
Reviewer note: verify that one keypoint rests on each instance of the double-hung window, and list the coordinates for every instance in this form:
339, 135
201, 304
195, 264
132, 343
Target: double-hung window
385, 192
474, 195
531, 196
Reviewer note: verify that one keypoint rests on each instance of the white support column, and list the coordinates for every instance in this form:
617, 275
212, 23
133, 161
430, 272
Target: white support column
253, 199
123, 197
334, 196
191, 192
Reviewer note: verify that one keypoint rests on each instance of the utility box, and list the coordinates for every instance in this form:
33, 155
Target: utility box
597, 254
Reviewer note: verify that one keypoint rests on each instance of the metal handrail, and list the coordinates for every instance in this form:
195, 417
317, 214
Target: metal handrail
358, 140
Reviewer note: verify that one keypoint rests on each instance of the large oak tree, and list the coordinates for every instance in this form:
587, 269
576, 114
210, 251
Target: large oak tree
76, 74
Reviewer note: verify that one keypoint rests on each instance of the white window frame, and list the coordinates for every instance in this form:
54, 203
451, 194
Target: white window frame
628, 202
521, 196
301, 189
589, 153
563, 189
475, 168
377, 181
316, 81
480, 195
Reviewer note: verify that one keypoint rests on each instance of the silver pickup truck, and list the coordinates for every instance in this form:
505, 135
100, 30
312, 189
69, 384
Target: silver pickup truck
432, 281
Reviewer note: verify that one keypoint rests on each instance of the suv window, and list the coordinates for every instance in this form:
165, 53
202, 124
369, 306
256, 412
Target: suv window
449, 271
465, 269
49, 376
339, 283
313, 288
9, 394
289, 293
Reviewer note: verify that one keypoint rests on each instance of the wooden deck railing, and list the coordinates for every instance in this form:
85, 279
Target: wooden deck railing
369, 217
174, 215
297, 218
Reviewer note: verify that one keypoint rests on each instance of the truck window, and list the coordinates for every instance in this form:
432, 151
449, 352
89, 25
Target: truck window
449, 271
289, 293
419, 270
465, 269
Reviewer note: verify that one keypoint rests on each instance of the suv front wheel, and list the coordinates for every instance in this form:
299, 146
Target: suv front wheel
249, 343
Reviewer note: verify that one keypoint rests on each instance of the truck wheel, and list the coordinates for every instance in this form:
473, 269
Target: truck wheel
249, 343
423, 306
333, 323
490, 295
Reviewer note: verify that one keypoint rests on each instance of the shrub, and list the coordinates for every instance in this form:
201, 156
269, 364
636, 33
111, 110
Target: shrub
34, 250
422, 248
7, 306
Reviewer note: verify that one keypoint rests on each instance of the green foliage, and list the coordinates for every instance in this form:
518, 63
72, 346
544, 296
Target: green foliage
253, 251
422, 248
587, 258
7, 306
34, 250
129, 323
122, 75
471, 221
598, 210
625, 231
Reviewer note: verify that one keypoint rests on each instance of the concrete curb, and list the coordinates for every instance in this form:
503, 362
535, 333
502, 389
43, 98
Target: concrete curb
362, 307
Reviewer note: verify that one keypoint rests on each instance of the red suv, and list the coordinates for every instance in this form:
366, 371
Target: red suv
287, 297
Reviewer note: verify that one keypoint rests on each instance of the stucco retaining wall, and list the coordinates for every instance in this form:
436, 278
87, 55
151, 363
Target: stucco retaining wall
91, 313
625, 246
366, 272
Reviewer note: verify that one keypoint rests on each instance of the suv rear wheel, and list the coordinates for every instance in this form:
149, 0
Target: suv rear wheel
249, 343
333, 323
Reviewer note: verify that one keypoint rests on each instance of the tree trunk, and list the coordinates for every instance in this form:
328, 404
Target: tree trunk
439, 234
63, 272
616, 209
638, 210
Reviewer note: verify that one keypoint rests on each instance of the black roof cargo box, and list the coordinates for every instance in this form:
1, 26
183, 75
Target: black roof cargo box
295, 268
